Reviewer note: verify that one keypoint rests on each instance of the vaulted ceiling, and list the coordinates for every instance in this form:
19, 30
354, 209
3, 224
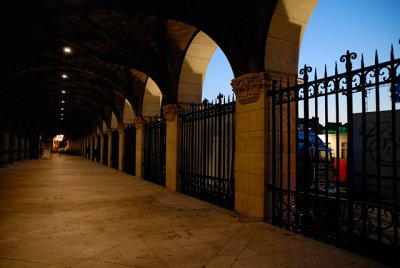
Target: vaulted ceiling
110, 40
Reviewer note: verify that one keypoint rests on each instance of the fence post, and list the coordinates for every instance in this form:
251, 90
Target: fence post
121, 146
172, 145
250, 149
139, 122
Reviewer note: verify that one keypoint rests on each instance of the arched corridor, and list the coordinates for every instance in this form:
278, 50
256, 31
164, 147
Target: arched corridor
122, 81
69, 212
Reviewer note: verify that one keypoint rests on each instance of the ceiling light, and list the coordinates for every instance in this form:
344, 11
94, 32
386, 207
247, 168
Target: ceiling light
61, 118
62, 109
67, 50
62, 101
63, 91
64, 76
62, 114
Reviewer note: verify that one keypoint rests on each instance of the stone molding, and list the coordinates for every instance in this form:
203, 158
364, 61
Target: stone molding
247, 88
139, 122
121, 128
171, 110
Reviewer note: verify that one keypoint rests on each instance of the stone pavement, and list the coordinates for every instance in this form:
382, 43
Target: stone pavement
71, 212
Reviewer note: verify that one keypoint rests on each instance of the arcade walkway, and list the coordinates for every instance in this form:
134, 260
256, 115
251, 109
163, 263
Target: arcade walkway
71, 212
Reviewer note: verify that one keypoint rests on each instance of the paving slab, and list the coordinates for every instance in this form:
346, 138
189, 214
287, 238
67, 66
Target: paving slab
67, 211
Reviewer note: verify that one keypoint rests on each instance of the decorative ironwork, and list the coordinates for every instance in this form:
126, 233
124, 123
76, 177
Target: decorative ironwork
340, 186
207, 152
154, 150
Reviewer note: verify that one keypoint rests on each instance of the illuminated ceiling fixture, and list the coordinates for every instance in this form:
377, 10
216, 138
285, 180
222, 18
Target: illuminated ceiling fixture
61, 118
64, 76
62, 109
62, 114
63, 91
62, 101
67, 50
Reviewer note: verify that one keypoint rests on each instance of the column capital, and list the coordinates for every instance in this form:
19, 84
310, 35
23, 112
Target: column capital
109, 132
171, 110
121, 128
139, 122
247, 88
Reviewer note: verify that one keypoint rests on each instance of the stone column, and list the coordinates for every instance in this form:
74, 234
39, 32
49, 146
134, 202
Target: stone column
21, 148
101, 147
139, 122
4, 146
95, 148
91, 148
13, 149
250, 147
84, 147
172, 146
121, 144
109, 137
253, 156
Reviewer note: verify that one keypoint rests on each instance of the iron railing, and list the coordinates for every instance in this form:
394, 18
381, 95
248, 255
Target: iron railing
335, 185
207, 152
129, 149
105, 150
97, 150
115, 148
154, 150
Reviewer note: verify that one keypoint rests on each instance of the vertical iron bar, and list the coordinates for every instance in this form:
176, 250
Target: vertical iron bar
336, 90
223, 132
219, 147
364, 211
395, 146
296, 200
327, 174
316, 161
281, 103
378, 148
274, 153
215, 152
306, 151
350, 163
288, 207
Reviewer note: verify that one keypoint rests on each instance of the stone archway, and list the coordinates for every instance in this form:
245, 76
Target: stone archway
194, 68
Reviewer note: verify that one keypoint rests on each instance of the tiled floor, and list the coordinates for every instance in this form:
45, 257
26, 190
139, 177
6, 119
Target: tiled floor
71, 212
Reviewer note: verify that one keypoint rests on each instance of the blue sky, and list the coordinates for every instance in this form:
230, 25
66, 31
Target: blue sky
335, 26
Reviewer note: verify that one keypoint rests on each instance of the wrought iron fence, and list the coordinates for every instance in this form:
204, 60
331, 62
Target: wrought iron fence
115, 148
154, 150
105, 150
336, 163
129, 149
97, 150
207, 152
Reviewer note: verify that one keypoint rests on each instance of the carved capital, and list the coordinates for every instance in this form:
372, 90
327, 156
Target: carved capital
248, 87
121, 128
138, 121
171, 110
